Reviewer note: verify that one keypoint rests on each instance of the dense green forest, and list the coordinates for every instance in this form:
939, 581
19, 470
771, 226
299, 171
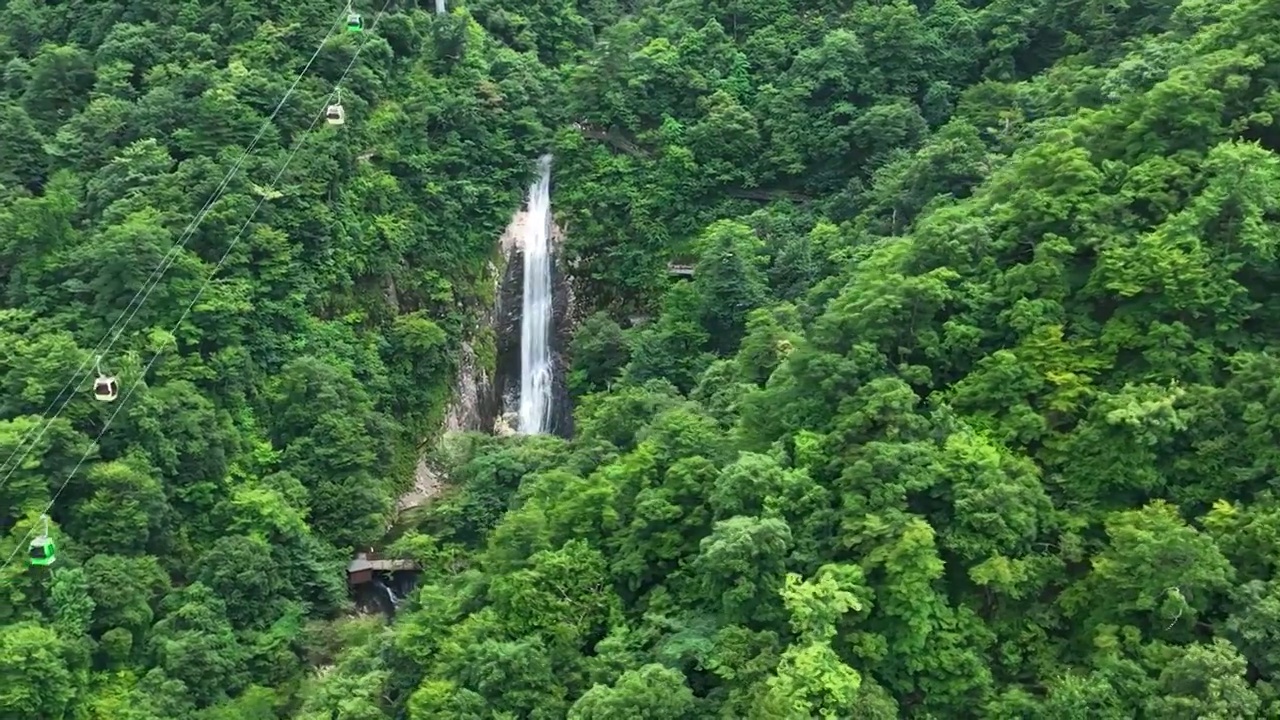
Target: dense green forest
970, 410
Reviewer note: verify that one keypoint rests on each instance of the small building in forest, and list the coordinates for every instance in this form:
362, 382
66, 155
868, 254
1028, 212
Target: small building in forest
362, 569
379, 584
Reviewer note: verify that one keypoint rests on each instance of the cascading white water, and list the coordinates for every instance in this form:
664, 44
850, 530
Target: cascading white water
535, 318
439, 7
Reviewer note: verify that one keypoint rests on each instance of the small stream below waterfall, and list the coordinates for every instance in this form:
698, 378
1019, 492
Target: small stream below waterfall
390, 597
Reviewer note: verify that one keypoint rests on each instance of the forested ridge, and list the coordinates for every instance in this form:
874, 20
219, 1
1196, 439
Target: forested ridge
968, 411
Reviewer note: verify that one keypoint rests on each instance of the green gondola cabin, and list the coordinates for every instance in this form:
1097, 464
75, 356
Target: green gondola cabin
355, 23
43, 551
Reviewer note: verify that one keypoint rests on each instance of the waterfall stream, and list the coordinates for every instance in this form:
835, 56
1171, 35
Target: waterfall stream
536, 311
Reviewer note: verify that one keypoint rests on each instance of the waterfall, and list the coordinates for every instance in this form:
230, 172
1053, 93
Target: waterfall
536, 312
390, 606
439, 7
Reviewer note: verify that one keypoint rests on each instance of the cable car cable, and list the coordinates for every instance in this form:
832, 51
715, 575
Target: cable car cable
204, 286
165, 263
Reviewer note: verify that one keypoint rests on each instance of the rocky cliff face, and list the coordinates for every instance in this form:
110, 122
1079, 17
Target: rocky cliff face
475, 406
473, 409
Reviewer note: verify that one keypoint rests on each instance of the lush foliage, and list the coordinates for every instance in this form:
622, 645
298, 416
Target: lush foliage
271, 430
972, 417
966, 413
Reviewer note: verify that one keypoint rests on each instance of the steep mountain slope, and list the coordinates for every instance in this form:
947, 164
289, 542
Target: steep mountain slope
268, 414
966, 412
967, 423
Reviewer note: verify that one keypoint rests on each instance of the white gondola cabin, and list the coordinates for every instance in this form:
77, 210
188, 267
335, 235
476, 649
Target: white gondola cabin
106, 389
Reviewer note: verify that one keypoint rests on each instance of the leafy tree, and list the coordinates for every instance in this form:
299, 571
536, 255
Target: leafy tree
651, 691
600, 352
